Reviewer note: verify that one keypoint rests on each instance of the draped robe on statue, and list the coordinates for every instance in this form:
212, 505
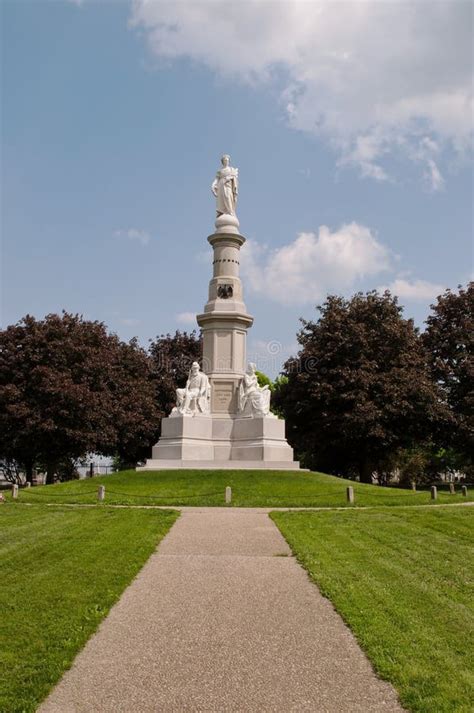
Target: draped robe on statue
254, 400
225, 186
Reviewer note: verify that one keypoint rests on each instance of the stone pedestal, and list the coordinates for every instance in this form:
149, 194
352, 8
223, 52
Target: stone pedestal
216, 442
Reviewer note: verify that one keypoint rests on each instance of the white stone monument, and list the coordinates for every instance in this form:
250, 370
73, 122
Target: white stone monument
222, 417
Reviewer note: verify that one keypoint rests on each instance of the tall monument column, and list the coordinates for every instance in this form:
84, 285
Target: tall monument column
222, 417
225, 320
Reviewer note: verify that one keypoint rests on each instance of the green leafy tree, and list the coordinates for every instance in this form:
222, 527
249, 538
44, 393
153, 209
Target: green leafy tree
137, 413
278, 395
445, 462
68, 387
413, 466
449, 341
359, 388
264, 380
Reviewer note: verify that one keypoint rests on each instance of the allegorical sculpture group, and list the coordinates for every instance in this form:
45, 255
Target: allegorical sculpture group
195, 398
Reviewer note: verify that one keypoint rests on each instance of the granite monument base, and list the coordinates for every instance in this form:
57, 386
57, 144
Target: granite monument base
222, 443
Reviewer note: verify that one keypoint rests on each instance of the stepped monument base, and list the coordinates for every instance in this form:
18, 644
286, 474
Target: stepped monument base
222, 443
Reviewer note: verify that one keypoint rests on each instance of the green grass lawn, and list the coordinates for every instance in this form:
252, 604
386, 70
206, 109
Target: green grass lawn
61, 569
403, 581
249, 489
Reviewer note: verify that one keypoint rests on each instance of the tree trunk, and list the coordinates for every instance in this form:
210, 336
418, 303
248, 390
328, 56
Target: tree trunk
365, 471
29, 472
50, 472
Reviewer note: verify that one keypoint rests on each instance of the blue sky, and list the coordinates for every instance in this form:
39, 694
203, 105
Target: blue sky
351, 130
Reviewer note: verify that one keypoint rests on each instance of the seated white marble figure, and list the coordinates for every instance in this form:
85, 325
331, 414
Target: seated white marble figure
194, 399
254, 400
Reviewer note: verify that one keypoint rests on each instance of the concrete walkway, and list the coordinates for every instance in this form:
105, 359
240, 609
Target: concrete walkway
221, 618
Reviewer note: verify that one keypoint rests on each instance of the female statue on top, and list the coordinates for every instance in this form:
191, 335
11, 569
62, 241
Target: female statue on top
226, 187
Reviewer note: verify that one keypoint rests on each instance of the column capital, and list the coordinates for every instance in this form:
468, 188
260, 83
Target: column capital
231, 239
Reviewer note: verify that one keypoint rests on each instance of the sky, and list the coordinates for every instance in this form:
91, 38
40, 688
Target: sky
350, 122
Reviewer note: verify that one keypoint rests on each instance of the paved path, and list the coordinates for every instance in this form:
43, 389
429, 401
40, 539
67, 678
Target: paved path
221, 618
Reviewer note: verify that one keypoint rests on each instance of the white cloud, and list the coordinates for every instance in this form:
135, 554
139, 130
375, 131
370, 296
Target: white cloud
364, 153
414, 290
370, 77
433, 176
140, 236
187, 318
425, 152
314, 264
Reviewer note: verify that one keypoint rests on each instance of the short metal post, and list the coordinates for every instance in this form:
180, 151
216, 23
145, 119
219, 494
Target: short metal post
434, 492
451, 488
350, 494
464, 491
101, 493
15, 491
91, 470
228, 495
413, 486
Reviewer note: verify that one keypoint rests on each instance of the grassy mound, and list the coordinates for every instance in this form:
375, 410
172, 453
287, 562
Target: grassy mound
249, 489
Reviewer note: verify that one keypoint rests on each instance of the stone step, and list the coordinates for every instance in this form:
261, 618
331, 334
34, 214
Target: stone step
155, 464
